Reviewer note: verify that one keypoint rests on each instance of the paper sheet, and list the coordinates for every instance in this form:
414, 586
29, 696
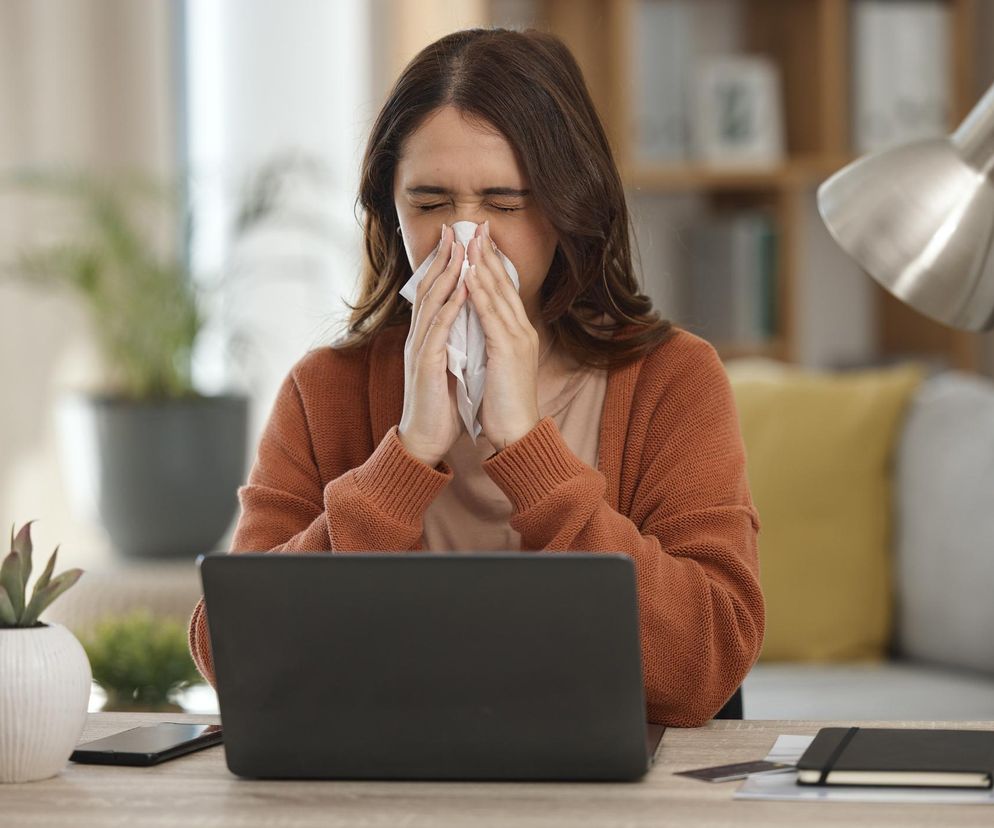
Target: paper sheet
783, 786
466, 348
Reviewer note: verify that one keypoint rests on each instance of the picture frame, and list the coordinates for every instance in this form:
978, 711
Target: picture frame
738, 112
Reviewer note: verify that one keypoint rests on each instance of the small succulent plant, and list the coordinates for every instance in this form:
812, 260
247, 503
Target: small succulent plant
15, 609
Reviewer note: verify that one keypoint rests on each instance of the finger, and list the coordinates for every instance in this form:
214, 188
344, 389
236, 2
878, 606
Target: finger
490, 257
436, 296
441, 260
487, 288
438, 265
441, 323
494, 327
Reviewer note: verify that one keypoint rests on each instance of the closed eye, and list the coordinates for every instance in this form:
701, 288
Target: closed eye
424, 208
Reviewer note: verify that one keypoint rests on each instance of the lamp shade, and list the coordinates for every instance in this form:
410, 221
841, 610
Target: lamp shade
919, 219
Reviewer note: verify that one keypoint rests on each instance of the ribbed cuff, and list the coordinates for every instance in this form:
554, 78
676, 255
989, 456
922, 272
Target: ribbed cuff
398, 482
530, 468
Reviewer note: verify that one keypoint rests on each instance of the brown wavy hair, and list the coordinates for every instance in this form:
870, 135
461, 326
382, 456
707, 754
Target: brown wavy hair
528, 85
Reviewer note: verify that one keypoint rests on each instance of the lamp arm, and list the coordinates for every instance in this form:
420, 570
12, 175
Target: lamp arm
974, 137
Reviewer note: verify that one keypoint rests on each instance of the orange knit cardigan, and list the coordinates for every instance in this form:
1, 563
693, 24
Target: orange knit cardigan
670, 491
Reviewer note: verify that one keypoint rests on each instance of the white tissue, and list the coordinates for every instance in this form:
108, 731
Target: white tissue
466, 345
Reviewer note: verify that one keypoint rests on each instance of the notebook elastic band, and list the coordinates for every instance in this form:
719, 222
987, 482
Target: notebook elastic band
834, 757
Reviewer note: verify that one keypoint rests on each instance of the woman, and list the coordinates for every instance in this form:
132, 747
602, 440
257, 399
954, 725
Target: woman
604, 428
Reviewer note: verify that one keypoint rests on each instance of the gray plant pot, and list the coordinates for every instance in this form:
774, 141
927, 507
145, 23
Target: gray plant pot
167, 472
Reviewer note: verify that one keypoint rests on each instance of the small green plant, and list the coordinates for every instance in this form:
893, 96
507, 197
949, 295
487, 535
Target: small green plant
140, 660
146, 306
15, 609
143, 302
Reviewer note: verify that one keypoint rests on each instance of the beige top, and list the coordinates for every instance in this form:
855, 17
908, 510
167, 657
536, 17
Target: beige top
472, 513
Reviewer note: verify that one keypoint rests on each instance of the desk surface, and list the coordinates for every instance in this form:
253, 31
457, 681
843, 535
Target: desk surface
198, 789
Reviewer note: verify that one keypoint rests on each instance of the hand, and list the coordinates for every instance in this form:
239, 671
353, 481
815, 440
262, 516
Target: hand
509, 409
430, 422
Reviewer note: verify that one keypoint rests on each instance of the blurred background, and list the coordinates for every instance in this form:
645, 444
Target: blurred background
177, 227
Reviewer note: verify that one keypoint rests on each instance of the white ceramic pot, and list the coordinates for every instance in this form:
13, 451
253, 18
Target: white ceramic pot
45, 683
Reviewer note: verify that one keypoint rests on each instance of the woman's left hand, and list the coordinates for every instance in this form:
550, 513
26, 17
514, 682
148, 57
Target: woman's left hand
509, 409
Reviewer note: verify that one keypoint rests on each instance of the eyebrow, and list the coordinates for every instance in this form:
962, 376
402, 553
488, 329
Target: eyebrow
428, 189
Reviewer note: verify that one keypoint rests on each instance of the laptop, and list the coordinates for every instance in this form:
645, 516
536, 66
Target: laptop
428, 666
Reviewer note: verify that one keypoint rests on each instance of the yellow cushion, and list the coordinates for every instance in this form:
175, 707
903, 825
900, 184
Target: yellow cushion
820, 448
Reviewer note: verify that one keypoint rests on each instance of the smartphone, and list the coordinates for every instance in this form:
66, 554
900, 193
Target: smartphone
148, 744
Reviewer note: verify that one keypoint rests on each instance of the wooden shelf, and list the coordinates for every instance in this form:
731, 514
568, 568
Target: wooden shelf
809, 42
802, 172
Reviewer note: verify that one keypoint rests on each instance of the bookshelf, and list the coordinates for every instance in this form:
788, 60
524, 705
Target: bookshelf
810, 43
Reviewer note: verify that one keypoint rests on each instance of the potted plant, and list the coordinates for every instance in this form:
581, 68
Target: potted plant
44, 672
162, 461
141, 662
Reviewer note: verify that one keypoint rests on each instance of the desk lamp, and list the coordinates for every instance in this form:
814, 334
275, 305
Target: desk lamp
919, 219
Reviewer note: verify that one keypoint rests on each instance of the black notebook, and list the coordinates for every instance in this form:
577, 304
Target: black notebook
886, 756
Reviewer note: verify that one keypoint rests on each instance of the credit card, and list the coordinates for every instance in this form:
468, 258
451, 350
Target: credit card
737, 770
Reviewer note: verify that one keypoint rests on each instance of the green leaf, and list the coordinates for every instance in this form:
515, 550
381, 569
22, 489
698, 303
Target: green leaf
22, 545
10, 579
22, 542
7, 616
46, 574
41, 600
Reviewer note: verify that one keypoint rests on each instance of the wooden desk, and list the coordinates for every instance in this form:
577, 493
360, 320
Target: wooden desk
198, 789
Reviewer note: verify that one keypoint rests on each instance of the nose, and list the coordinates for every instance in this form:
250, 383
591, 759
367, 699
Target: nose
472, 216
465, 234
468, 209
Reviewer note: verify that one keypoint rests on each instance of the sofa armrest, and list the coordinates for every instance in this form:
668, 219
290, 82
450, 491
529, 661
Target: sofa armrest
944, 524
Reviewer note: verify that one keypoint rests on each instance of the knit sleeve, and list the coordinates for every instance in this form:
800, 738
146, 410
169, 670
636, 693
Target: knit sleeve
690, 528
377, 506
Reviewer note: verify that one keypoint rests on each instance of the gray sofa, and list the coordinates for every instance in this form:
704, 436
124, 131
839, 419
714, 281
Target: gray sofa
941, 664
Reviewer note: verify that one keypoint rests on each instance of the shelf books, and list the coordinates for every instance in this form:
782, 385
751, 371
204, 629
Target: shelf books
732, 297
901, 71
662, 34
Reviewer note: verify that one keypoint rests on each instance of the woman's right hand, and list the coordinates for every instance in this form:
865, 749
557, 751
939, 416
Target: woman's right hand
430, 422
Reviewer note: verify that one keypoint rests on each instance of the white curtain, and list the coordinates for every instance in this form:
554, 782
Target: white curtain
84, 84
